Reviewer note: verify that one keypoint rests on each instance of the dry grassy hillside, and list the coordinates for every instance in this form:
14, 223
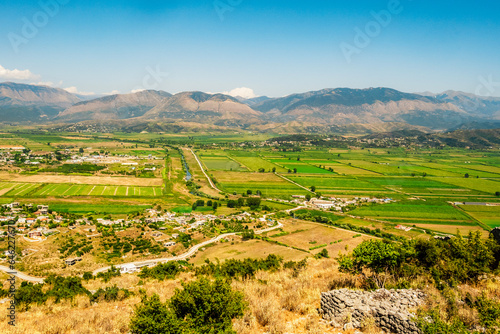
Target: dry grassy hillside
285, 301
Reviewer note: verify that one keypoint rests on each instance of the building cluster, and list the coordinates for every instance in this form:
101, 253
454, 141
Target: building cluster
124, 159
339, 203
15, 154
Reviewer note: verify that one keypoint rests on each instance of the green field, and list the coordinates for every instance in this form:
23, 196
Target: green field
97, 208
68, 190
489, 215
434, 210
222, 163
255, 163
324, 184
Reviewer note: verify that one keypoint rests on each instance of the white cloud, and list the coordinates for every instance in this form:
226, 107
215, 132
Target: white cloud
113, 92
17, 74
74, 90
47, 83
244, 92
133, 91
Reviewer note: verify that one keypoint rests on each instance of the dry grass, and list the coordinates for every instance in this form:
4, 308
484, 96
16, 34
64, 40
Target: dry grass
279, 302
246, 249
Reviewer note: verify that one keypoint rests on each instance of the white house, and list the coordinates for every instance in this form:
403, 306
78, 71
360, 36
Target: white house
128, 268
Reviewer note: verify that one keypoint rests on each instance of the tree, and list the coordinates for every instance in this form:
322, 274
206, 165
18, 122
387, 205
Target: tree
253, 202
466, 175
295, 170
201, 307
208, 307
274, 169
152, 317
313, 189
378, 256
80, 150
215, 205
249, 192
308, 197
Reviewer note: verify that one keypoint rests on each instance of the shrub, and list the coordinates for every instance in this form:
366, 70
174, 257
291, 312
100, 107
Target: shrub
201, 306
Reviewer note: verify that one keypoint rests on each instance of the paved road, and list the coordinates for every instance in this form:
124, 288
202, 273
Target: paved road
22, 275
186, 255
203, 170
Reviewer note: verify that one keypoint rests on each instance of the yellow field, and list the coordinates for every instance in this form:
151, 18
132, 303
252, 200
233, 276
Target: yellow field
247, 249
313, 234
104, 180
452, 229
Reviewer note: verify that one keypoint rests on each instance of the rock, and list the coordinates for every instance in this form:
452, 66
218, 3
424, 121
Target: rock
389, 308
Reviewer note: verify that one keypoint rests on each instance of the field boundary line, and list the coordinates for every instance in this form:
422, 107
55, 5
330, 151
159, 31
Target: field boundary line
480, 223
295, 183
64, 193
203, 170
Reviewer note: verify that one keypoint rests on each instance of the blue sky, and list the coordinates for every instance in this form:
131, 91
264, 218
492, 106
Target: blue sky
272, 47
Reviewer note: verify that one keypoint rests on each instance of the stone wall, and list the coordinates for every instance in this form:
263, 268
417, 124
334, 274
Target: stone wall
389, 308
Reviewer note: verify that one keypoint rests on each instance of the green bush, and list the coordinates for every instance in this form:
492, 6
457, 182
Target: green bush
200, 307
163, 271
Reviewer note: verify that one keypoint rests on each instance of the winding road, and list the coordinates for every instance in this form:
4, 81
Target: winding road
21, 275
153, 262
184, 256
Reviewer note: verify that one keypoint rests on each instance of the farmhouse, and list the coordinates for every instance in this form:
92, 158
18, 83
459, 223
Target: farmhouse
71, 261
35, 234
169, 244
322, 204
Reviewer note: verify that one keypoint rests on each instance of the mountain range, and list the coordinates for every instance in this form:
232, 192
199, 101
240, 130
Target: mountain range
382, 108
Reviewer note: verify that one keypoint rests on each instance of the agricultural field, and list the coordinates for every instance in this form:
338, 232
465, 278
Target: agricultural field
256, 163
268, 184
245, 249
301, 167
314, 237
338, 185
422, 182
97, 209
19, 190
488, 215
416, 209
222, 163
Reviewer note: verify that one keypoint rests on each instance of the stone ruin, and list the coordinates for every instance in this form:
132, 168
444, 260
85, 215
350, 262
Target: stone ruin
390, 309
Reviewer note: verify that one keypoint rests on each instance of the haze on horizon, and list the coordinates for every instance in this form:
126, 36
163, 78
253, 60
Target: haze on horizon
271, 48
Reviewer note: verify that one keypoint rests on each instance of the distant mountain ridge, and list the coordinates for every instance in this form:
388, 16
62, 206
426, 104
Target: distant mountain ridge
376, 109
347, 106
113, 107
21, 102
